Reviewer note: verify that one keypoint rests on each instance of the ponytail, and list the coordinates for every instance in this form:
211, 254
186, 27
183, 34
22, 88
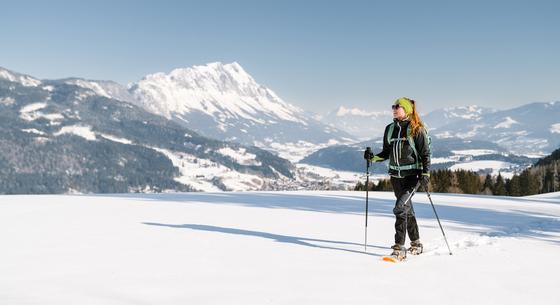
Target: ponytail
415, 121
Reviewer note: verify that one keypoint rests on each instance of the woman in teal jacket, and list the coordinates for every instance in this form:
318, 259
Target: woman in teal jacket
406, 145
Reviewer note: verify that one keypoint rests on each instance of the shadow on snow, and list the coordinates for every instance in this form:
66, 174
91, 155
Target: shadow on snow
472, 219
301, 241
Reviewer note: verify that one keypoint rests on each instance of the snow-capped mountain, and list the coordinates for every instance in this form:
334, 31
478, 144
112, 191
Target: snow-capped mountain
69, 135
22, 79
103, 88
360, 123
456, 115
217, 90
223, 101
531, 129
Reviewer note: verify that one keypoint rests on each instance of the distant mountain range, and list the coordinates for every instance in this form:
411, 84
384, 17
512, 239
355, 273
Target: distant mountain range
470, 137
214, 127
532, 130
223, 101
72, 135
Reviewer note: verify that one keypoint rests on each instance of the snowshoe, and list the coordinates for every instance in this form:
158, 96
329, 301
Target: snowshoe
416, 247
398, 254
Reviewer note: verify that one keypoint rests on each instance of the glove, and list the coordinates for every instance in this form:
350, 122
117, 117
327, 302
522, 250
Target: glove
425, 180
368, 154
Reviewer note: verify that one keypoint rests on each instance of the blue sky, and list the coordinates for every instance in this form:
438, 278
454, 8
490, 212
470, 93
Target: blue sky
315, 54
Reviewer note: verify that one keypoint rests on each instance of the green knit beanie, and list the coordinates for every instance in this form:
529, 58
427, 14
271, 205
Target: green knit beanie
406, 104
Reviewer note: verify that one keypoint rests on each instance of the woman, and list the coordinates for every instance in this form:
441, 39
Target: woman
406, 145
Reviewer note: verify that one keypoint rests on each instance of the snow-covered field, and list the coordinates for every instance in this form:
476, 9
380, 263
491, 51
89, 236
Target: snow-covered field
339, 180
496, 167
274, 248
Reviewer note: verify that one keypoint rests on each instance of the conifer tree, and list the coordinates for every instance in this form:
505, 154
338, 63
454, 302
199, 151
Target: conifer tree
548, 181
514, 186
488, 186
500, 186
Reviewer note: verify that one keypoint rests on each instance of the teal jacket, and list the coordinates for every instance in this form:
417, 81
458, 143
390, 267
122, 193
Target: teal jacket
405, 159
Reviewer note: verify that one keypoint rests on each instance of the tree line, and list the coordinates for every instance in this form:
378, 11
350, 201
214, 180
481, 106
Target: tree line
538, 179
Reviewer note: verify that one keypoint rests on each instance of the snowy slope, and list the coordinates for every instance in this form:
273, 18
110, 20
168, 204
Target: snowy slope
273, 248
22, 79
494, 168
364, 124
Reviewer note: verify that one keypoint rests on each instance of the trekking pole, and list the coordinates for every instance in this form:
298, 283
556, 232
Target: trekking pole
367, 187
437, 217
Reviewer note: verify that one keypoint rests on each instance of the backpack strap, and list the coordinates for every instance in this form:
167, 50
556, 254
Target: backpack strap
390, 133
413, 146
411, 142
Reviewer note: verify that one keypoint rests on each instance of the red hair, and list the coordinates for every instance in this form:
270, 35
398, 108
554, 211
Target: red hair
415, 121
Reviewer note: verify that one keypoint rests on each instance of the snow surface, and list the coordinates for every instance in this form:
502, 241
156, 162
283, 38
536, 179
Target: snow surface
116, 139
274, 248
293, 151
474, 152
32, 107
360, 123
343, 111
31, 112
338, 179
93, 86
35, 131
81, 131
201, 173
471, 112
442, 160
240, 156
24, 80
471, 133
7, 101
507, 123
555, 128
495, 166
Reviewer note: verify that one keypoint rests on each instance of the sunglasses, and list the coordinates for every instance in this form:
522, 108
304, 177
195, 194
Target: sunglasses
395, 107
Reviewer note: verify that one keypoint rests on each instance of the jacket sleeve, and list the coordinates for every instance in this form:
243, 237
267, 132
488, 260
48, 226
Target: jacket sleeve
423, 148
385, 153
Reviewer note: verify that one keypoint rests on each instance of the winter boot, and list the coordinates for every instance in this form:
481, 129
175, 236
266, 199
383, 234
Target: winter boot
399, 252
416, 247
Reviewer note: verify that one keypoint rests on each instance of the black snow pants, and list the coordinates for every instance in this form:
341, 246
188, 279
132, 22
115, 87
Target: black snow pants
404, 213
